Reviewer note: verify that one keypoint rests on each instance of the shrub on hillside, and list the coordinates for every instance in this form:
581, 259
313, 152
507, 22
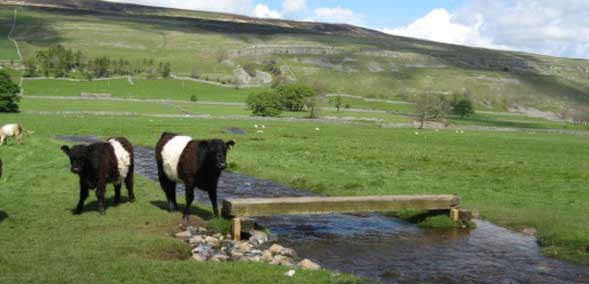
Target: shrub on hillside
293, 96
8, 93
462, 107
194, 98
264, 104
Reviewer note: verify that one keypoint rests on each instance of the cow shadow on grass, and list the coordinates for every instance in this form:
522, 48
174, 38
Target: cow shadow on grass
3, 216
203, 214
93, 205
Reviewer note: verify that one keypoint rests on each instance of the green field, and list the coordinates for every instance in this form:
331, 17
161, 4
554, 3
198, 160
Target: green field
42, 242
511, 177
518, 179
52, 105
140, 89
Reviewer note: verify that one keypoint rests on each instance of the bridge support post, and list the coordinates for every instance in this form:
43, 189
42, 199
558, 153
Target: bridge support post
457, 214
236, 228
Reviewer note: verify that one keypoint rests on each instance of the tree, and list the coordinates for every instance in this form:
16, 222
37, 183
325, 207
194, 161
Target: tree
8, 93
101, 66
264, 104
462, 107
313, 104
30, 68
293, 96
579, 115
429, 106
337, 102
194, 73
166, 70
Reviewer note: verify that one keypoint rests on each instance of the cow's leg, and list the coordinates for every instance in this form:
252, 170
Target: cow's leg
2, 138
189, 187
100, 189
169, 188
213, 197
83, 196
129, 185
19, 138
118, 193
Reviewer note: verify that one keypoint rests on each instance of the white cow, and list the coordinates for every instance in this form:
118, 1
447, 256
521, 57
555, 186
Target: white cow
9, 130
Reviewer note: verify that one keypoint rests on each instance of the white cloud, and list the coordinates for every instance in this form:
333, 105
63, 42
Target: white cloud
337, 15
262, 11
439, 25
293, 6
559, 28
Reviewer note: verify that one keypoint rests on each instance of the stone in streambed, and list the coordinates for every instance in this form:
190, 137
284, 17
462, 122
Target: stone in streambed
307, 264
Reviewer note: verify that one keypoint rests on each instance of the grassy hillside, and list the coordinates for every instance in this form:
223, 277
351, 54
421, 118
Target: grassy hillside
344, 58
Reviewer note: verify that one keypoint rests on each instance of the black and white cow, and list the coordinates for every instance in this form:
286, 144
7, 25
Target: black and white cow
195, 163
101, 163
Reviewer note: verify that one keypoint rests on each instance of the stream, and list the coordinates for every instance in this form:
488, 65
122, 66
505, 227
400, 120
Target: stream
390, 250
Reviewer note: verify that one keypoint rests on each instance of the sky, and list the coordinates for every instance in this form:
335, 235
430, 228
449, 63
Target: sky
550, 27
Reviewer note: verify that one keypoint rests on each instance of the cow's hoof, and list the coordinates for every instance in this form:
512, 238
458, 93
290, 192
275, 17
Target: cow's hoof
131, 199
102, 212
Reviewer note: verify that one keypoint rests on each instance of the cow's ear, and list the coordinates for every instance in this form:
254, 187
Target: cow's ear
65, 149
230, 144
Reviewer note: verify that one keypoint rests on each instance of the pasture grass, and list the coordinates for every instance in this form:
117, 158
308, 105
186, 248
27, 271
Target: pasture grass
170, 89
515, 179
43, 242
55, 105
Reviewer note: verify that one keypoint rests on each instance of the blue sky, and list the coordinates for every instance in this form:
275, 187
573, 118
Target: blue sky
378, 14
557, 28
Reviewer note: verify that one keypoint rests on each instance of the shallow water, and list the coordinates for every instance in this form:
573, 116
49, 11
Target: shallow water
390, 250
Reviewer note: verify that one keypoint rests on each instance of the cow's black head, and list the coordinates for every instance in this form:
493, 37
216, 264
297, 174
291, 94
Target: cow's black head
216, 151
78, 155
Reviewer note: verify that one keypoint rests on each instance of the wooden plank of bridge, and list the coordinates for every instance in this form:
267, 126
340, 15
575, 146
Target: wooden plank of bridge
250, 207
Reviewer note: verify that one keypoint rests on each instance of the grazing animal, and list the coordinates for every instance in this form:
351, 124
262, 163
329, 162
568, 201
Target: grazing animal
10, 130
101, 163
195, 163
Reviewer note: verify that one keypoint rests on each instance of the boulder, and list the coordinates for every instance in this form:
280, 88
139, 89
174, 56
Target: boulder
199, 257
266, 256
530, 231
282, 260
258, 237
196, 240
201, 230
203, 250
254, 258
307, 264
276, 248
288, 252
212, 241
244, 247
184, 235
219, 257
